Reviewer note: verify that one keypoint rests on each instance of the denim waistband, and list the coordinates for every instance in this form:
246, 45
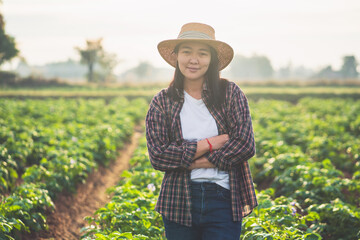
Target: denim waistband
205, 186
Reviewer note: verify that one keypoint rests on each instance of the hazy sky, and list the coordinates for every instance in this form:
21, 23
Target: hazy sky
313, 33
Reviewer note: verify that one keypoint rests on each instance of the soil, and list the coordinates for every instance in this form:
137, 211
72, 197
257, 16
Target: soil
67, 219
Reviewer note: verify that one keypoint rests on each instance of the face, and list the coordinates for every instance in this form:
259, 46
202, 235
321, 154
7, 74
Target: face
193, 59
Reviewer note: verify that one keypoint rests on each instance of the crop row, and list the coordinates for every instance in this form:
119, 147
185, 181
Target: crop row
50, 146
130, 213
321, 129
309, 152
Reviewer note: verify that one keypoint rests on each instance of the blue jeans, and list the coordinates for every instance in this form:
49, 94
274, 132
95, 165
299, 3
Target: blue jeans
211, 216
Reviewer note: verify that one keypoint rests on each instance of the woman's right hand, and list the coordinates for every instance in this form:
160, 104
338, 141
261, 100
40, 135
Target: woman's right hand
218, 141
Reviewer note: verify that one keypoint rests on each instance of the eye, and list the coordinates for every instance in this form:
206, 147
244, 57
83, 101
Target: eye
185, 52
204, 54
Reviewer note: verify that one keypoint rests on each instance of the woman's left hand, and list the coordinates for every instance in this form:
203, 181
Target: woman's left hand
201, 163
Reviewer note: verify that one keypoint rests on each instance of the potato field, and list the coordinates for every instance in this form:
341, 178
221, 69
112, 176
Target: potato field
306, 169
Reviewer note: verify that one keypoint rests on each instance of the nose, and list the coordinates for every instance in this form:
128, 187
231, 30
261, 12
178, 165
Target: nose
194, 59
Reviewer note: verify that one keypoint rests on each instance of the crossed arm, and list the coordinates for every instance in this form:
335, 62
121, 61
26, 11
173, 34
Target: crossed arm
229, 151
203, 147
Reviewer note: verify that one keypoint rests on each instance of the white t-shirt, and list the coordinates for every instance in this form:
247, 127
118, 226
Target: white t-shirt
197, 123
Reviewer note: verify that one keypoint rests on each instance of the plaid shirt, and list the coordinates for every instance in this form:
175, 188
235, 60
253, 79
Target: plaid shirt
170, 153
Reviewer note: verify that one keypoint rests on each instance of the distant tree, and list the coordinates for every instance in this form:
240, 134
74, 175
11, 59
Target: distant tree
327, 73
291, 72
8, 48
301, 72
108, 62
285, 72
348, 69
251, 67
90, 55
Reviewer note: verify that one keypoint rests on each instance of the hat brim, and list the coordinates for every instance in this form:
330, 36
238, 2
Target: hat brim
224, 51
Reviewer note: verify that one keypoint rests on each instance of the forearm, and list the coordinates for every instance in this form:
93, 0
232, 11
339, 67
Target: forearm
201, 163
202, 148
173, 156
216, 142
232, 154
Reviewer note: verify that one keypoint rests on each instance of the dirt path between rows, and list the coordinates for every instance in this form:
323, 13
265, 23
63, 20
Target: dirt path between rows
68, 218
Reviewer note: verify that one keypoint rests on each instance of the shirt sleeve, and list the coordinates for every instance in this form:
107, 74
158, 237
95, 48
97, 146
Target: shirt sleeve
241, 145
166, 155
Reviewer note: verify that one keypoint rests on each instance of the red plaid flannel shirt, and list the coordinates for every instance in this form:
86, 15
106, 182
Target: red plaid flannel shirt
170, 153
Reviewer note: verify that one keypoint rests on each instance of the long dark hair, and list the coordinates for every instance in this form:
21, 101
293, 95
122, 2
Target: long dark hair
216, 86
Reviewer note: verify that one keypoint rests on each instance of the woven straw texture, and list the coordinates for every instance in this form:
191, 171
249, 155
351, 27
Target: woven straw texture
225, 52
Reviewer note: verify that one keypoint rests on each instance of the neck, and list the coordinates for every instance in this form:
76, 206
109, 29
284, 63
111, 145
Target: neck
193, 87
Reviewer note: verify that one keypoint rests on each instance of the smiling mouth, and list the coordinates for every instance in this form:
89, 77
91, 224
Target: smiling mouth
193, 69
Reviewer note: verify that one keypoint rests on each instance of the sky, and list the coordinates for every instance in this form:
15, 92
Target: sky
311, 33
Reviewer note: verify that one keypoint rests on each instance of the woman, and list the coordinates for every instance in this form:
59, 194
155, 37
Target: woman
199, 133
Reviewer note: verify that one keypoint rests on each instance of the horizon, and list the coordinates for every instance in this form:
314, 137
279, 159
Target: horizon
313, 35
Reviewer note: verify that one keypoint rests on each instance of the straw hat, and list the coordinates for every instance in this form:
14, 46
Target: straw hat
196, 32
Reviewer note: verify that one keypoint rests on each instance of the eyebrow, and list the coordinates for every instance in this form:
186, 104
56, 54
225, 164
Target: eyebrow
201, 49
